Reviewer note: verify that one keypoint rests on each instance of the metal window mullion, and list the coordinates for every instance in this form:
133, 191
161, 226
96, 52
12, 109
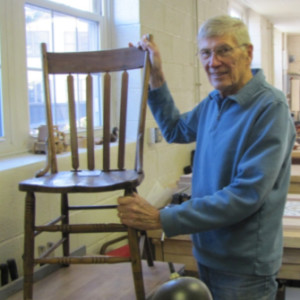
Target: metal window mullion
98, 7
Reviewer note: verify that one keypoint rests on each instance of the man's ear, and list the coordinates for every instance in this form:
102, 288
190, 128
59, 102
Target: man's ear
250, 52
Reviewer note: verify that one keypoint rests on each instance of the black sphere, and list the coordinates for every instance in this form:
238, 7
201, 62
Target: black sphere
183, 288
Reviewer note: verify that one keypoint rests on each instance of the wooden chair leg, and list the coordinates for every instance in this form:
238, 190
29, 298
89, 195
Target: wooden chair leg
147, 249
29, 245
136, 264
65, 221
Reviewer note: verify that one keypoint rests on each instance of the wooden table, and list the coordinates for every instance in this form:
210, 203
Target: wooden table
295, 180
177, 249
296, 156
290, 268
291, 225
98, 282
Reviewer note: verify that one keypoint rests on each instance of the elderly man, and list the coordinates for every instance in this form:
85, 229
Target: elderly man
244, 136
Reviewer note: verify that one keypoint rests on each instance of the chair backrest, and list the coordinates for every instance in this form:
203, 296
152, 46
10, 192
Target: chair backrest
88, 63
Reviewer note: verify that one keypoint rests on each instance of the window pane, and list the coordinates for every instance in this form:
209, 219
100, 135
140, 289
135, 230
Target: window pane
87, 36
73, 34
36, 101
38, 30
86, 5
61, 33
64, 32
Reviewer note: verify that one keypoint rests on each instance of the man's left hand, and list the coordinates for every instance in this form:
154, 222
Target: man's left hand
134, 211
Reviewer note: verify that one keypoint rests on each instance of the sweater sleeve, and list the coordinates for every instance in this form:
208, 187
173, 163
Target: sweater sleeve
175, 127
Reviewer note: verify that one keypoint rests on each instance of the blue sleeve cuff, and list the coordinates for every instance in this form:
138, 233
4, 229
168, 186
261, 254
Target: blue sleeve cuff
168, 221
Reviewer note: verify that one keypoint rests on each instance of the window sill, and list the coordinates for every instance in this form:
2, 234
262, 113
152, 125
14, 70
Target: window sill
25, 159
21, 160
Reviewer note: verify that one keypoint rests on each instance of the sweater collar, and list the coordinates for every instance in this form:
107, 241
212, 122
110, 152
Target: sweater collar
246, 92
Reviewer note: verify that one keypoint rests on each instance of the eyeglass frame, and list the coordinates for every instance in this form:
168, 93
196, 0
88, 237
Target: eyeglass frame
217, 49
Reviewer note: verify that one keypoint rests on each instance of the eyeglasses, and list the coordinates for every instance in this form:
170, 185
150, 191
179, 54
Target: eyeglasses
221, 51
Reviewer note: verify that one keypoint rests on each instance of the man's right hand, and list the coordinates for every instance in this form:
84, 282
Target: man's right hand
156, 73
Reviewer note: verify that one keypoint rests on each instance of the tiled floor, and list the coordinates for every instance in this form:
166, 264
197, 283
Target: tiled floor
292, 293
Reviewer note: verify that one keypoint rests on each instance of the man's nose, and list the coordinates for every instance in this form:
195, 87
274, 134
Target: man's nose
214, 59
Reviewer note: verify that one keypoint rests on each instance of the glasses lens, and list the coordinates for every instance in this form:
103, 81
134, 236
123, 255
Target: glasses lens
223, 51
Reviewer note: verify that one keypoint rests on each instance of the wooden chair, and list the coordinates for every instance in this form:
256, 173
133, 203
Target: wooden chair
91, 180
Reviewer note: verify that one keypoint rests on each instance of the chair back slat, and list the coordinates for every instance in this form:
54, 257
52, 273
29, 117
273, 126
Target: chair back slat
95, 61
72, 122
122, 122
106, 122
90, 123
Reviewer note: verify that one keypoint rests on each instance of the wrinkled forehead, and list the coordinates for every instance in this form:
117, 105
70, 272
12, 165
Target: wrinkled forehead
215, 41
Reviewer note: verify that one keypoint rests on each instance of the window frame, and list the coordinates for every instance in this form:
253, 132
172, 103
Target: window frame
17, 138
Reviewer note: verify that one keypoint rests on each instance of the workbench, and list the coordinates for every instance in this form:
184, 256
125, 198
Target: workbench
295, 179
177, 249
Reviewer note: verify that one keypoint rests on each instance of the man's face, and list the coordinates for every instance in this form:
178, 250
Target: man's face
226, 63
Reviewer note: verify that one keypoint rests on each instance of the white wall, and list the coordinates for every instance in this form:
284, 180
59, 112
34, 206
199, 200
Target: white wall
293, 69
261, 33
278, 59
293, 44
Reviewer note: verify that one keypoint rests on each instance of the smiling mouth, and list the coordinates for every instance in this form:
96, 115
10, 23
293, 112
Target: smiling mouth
218, 74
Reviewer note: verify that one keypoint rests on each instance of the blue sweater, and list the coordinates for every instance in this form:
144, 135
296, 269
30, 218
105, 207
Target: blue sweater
240, 178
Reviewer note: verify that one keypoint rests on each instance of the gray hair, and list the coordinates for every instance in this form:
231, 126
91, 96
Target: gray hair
225, 25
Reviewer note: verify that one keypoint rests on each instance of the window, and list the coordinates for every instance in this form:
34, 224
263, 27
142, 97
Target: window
21, 88
63, 31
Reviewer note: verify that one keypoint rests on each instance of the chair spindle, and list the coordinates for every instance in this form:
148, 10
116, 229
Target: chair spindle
72, 119
106, 122
90, 121
122, 124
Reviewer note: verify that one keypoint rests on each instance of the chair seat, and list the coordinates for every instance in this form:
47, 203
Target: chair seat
82, 181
